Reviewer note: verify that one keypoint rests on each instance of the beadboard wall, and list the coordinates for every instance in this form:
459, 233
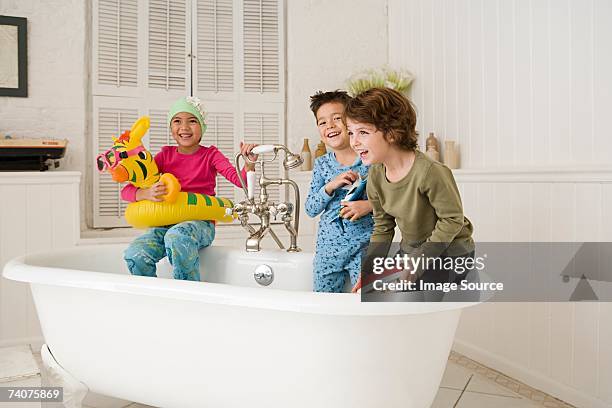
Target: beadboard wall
39, 211
524, 87
563, 349
515, 82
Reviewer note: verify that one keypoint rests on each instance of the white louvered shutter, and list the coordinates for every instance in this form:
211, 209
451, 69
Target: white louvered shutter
261, 38
115, 54
159, 132
265, 128
109, 123
168, 49
220, 133
148, 53
263, 81
214, 46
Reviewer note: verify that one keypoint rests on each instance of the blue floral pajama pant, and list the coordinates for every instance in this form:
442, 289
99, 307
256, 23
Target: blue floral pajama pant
180, 242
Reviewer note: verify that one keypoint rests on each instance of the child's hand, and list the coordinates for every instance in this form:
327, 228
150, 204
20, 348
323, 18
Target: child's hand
357, 287
245, 150
408, 274
354, 210
343, 179
152, 193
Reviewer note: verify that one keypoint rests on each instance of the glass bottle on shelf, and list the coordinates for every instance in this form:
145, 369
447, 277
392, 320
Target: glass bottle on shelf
321, 150
306, 156
432, 147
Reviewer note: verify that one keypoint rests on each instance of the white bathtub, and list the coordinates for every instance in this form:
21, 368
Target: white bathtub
233, 343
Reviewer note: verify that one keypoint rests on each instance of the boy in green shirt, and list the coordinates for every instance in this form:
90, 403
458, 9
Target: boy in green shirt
407, 188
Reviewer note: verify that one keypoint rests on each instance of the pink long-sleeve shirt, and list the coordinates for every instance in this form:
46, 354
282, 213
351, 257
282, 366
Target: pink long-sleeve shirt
196, 172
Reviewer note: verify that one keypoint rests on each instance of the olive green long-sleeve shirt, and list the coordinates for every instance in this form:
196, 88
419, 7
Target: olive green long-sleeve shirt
425, 205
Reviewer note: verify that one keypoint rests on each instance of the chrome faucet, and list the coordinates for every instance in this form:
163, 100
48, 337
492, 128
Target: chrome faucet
265, 209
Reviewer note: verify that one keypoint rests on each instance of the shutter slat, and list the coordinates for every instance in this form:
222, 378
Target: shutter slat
117, 42
167, 43
159, 132
261, 42
220, 133
111, 122
215, 46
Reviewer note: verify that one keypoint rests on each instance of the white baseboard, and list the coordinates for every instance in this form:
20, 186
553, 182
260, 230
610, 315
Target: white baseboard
529, 377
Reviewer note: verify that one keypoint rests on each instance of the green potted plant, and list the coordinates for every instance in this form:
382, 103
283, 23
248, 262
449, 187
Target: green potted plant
400, 80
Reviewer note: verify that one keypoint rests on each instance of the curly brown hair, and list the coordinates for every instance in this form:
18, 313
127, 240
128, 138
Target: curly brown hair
389, 111
321, 98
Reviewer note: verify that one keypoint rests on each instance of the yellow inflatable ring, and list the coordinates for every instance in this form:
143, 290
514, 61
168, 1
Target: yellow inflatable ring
187, 207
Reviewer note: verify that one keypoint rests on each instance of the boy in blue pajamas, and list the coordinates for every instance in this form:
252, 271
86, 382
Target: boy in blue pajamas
341, 240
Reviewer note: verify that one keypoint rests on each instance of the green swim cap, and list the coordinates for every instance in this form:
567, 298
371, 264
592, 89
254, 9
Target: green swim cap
189, 104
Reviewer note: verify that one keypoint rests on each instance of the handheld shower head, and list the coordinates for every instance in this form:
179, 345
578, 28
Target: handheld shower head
292, 160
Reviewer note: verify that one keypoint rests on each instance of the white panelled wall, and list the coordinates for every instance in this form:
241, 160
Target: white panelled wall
327, 42
524, 86
515, 82
38, 212
564, 349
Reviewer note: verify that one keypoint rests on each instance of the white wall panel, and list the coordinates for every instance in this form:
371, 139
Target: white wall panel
522, 152
39, 212
585, 347
324, 51
562, 348
602, 85
488, 149
520, 214
604, 369
451, 51
476, 91
563, 212
13, 308
539, 337
581, 70
540, 137
486, 213
541, 221
516, 82
562, 342
504, 210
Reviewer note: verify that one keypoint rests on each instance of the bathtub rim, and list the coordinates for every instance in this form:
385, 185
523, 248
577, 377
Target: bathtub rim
348, 304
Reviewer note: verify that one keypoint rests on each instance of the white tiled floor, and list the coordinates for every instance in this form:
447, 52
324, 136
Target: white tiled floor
463, 388
460, 388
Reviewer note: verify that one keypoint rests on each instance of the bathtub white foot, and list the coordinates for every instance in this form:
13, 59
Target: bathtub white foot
53, 375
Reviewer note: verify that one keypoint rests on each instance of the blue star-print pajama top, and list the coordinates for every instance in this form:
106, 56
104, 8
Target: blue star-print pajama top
340, 242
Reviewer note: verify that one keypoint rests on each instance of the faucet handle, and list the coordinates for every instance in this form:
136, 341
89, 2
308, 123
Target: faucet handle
242, 209
239, 209
273, 210
285, 208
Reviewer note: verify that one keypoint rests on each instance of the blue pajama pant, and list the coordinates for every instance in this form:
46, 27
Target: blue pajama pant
181, 243
330, 273
340, 247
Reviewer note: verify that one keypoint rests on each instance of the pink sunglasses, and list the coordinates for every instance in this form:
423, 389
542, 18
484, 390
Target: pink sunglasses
111, 158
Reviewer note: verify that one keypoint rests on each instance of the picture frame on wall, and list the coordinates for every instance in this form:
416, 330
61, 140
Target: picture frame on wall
13, 56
